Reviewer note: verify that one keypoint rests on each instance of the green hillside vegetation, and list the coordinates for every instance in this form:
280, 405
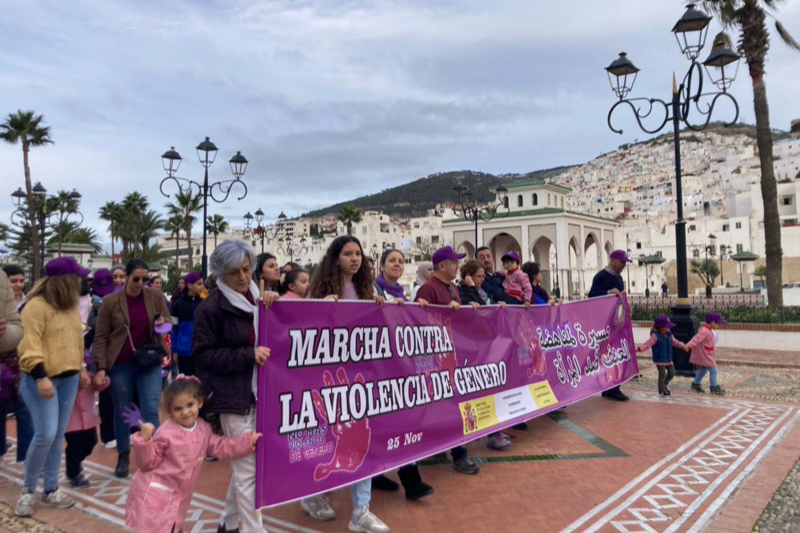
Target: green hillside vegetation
416, 198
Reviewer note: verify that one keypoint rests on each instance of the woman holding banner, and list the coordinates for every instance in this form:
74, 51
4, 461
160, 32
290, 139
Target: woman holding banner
387, 284
226, 356
344, 275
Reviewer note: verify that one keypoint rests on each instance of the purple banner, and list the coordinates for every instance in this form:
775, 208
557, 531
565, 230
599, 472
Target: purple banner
352, 389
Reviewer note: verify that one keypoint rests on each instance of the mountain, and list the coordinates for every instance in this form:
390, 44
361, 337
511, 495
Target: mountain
417, 197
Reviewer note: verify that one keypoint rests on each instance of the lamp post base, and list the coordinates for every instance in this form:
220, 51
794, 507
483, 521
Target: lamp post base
686, 325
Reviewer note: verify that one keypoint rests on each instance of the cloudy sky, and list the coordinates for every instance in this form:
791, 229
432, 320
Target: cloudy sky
331, 99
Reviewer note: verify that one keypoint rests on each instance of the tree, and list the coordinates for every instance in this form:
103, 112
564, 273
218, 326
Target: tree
174, 225
60, 206
111, 212
749, 16
184, 205
348, 216
425, 247
88, 236
5, 232
706, 269
761, 272
216, 225
26, 128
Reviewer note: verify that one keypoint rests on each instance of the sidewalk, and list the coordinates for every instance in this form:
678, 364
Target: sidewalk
683, 462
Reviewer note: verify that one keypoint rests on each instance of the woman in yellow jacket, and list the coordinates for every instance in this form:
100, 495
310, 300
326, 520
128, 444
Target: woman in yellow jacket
51, 358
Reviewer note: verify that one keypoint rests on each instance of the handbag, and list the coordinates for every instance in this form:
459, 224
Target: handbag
145, 356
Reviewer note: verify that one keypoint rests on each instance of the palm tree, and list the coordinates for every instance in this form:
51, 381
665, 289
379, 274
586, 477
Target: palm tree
85, 236
217, 225
185, 204
174, 225
111, 212
750, 17
26, 127
62, 205
348, 216
134, 208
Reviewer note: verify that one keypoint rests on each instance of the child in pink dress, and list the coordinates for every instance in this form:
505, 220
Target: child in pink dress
296, 284
516, 282
703, 348
169, 462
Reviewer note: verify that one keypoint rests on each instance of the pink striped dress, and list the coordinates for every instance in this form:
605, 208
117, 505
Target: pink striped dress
168, 465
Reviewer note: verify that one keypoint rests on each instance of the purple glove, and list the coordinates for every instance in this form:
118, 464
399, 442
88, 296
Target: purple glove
164, 328
132, 416
164, 373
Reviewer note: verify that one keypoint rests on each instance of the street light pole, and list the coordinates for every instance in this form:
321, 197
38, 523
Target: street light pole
690, 32
463, 207
260, 228
207, 153
629, 274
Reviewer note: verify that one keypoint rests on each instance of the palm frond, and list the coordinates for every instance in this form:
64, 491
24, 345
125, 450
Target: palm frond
787, 38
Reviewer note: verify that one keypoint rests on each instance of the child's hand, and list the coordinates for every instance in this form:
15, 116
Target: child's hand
254, 437
688, 349
147, 430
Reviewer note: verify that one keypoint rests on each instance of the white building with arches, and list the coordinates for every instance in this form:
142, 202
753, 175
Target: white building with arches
570, 247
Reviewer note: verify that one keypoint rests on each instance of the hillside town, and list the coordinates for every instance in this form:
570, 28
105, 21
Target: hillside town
630, 190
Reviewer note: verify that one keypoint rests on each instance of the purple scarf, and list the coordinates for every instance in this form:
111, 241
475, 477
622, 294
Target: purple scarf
395, 289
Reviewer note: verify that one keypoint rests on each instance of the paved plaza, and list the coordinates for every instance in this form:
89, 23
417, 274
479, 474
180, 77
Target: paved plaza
687, 462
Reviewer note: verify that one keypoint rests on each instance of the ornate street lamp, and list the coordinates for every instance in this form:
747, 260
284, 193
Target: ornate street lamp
287, 246
43, 219
270, 232
464, 207
688, 100
217, 191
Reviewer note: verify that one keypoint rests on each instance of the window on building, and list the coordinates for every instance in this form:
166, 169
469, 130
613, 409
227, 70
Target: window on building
435, 239
695, 253
633, 283
738, 225
562, 202
726, 227
786, 200
419, 240
548, 199
363, 230
692, 228
739, 248
659, 253
519, 200
535, 199
638, 246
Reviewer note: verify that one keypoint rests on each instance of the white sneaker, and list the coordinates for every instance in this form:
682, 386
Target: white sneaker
318, 507
24, 503
58, 498
110, 444
369, 523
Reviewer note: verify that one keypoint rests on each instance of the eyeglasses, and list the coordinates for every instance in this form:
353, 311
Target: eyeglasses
246, 271
137, 279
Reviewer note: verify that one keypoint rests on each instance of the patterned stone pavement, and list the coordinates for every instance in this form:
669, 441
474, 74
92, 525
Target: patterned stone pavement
688, 462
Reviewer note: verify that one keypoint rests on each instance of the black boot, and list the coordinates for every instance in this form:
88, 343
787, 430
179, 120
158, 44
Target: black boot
123, 463
412, 482
381, 482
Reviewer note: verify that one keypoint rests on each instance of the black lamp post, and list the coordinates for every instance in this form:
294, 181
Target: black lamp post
721, 67
629, 273
43, 218
217, 191
471, 212
260, 229
287, 246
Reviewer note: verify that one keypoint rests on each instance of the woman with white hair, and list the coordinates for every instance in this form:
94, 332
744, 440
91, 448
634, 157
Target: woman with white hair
225, 358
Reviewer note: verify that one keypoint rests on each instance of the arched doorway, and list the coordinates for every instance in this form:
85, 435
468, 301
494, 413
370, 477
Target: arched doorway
502, 243
544, 254
591, 259
466, 247
574, 269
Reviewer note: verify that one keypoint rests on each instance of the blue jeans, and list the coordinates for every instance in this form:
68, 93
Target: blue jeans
50, 417
147, 381
24, 427
701, 373
361, 493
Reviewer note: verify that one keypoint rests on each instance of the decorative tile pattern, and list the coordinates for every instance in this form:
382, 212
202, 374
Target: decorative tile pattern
683, 491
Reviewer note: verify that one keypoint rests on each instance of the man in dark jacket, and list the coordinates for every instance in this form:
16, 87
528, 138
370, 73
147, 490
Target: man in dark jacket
493, 281
609, 281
